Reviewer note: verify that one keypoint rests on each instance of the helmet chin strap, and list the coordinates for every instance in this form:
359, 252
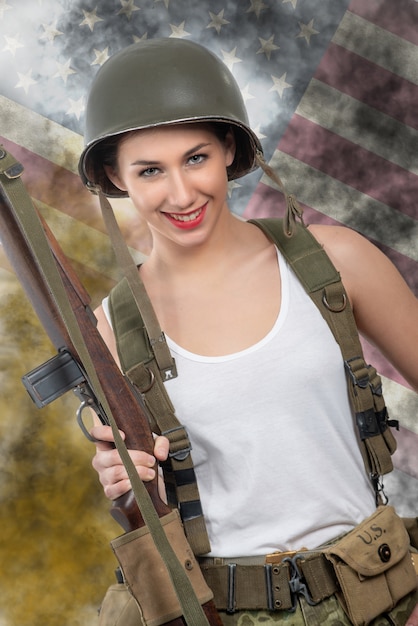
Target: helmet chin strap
293, 209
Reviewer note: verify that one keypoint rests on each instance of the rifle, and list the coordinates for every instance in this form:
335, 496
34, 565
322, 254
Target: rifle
68, 370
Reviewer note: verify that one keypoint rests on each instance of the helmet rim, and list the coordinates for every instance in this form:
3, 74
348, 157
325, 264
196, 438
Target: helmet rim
178, 91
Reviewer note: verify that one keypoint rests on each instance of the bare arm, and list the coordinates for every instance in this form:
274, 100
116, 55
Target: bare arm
385, 309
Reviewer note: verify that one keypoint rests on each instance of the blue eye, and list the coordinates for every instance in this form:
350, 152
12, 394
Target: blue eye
149, 171
196, 158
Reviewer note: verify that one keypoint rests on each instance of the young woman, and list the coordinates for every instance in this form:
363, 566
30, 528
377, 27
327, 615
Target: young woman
261, 385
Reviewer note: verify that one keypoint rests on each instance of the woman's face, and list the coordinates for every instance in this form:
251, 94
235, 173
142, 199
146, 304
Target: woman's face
176, 177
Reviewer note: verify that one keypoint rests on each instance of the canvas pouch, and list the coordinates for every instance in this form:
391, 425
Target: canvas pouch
146, 575
373, 566
119, 608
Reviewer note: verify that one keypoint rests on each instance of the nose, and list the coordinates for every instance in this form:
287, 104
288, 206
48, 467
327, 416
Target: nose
181, 192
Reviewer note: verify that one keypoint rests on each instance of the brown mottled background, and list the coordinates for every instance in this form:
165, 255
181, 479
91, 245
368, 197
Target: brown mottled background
331, 88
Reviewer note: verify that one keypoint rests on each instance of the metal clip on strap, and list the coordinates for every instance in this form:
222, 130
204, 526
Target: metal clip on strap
180, 446
15, 170
296, 583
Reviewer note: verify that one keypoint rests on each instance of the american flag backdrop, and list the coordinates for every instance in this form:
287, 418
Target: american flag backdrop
331, 88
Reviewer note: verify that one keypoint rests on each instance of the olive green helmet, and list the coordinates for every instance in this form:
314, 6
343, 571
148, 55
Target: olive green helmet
157, 82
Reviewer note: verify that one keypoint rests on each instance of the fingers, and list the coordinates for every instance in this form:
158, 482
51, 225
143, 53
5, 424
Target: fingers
110, 468
104, 441
112, 472
103, 436
161, 448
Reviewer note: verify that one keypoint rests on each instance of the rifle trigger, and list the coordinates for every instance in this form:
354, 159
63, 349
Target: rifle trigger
80, 422
87, 398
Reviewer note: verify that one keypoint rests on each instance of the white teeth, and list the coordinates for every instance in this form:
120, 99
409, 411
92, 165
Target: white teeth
186, 218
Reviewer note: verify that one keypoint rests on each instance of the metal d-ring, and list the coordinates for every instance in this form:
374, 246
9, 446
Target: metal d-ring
332, 308
151, 381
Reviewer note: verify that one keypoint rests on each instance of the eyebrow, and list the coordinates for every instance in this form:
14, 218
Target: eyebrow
186, 154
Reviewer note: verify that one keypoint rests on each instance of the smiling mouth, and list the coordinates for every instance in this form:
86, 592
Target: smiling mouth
183, 217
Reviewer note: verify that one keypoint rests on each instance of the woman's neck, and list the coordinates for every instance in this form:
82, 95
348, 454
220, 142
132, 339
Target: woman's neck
170, 260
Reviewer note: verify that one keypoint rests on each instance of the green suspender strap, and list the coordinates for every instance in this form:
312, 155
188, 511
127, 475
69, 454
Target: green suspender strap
322, 282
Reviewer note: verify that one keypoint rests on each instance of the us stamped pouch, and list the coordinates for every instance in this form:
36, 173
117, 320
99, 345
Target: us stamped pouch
373, 566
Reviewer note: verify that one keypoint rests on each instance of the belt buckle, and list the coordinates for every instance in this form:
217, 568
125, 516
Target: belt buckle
275, 558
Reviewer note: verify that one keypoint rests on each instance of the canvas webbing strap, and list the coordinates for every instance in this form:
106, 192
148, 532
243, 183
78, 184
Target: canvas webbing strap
322, 282
147, 362
31, 228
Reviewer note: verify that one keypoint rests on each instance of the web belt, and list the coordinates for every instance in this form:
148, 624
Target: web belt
254, 584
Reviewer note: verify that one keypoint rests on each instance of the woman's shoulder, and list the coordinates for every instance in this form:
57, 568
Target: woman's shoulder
359, 262
346, 247
333, 235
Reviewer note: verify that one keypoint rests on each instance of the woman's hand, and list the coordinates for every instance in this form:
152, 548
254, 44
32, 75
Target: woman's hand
110, 468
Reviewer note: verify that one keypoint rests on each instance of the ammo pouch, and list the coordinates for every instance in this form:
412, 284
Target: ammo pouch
146, 575
373, 566
119, 608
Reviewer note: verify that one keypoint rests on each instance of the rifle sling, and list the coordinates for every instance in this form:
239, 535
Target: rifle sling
34, 234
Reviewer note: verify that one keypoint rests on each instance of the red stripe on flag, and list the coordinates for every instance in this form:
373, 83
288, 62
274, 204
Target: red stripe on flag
268, 202
351, 164
370, 83
399, 17
406, 457
56, 186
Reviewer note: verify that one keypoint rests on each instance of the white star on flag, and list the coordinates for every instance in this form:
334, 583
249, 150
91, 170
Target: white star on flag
280, 84
91, 19
25, 81
64, 70
307, 30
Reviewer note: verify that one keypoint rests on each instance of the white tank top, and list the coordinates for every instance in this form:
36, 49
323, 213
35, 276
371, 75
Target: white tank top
274, 443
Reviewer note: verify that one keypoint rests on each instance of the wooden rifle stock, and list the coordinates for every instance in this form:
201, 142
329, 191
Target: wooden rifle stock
122, 399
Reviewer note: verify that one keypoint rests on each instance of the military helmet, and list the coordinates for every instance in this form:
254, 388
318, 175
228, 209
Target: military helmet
157, 82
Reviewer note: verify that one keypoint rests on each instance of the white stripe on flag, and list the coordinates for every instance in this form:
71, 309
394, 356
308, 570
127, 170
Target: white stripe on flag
40, 135
373, 43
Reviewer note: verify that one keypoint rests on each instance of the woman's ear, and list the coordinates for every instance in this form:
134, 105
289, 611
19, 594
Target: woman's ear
114, 177
230, 147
